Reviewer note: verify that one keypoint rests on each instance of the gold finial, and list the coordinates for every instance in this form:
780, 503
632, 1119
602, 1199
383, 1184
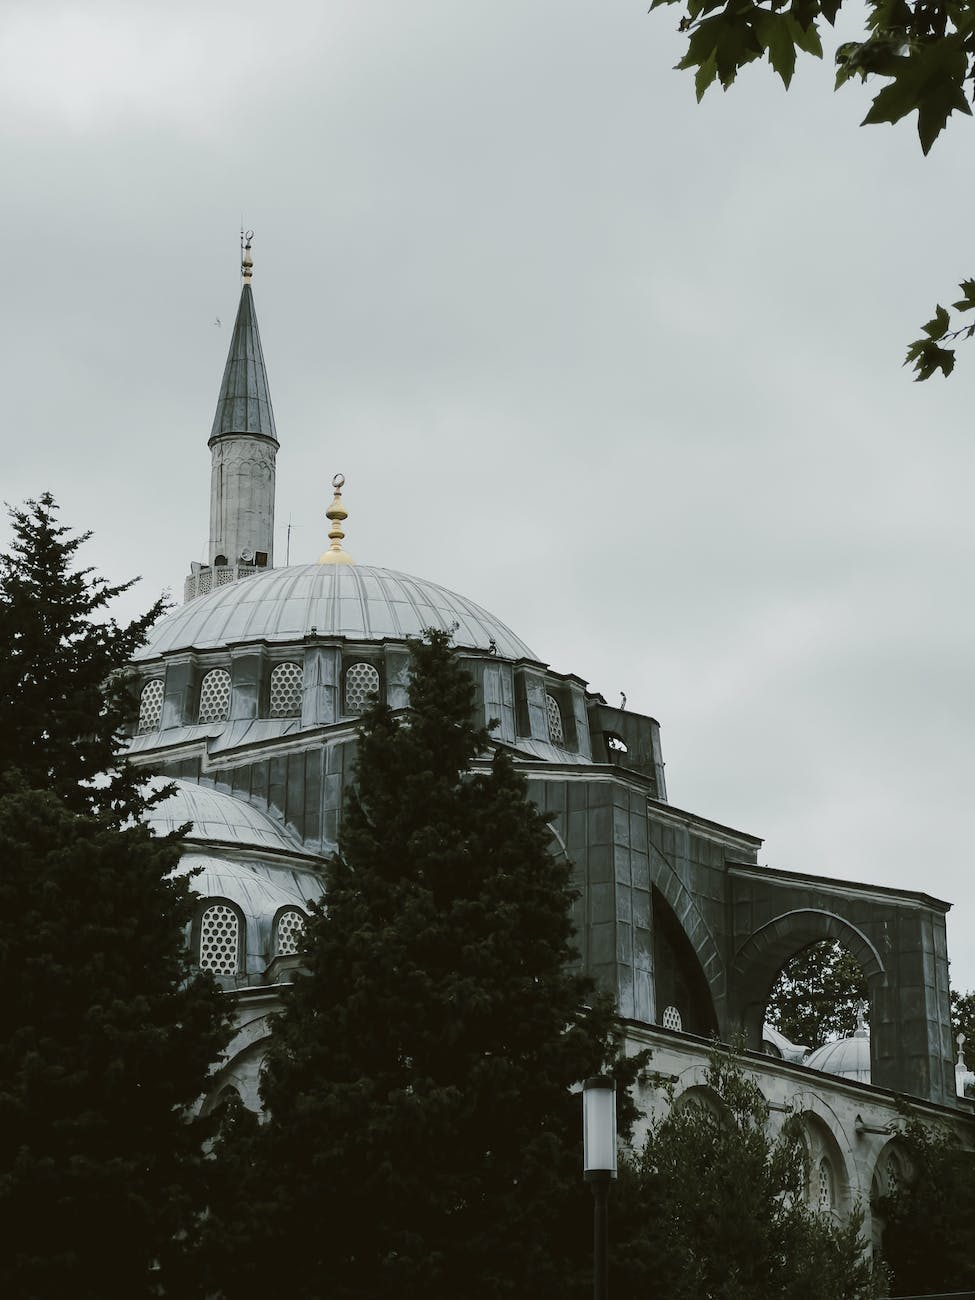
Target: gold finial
336, 513
246, 261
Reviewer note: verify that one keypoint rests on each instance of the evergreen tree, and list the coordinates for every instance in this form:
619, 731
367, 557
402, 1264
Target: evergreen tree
107, 1039
929, 1232
422, 1136
714, 1206
63, 692
818, 995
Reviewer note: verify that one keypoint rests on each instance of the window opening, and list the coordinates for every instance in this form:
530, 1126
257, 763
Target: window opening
291, 925
672, 1019
556, 733
361, 681
150, 705
220, 940
215, 696
826, 1196
286, 681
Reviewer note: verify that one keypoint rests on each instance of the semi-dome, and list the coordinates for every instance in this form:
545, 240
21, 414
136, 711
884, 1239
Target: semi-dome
216, 818
359, 602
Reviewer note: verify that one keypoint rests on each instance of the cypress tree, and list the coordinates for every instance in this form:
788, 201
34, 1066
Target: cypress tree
422, 1134
107, 1038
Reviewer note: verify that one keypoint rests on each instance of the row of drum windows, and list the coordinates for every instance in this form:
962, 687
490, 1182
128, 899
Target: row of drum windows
221, 945
284, 697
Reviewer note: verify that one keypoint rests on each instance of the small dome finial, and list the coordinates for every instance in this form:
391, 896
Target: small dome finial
336, 513
246, 261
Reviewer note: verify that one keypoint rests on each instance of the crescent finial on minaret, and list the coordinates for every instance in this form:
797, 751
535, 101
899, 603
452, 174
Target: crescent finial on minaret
246, 261
336, 514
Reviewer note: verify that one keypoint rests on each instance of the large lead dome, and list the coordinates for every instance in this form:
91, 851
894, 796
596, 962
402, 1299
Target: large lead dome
359, 602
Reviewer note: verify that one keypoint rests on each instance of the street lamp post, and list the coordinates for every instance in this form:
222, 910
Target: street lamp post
599, 1169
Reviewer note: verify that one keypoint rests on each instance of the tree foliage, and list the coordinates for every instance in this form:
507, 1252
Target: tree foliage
922, 51
106, 1039
63, 692
929, 1233
963, 1022
422, 1134
715, 1206
818, 995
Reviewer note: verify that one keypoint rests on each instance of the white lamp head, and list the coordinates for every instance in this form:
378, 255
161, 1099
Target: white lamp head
599, 1127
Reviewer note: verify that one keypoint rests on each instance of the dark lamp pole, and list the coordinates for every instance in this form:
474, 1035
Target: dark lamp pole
599, 1169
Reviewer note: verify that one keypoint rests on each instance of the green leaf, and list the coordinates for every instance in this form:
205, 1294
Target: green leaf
937, 326
777, 34
807, 38
968, 302
926, 357
705, 74
929, 79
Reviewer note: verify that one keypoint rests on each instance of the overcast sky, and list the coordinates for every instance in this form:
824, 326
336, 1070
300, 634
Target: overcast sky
621, 368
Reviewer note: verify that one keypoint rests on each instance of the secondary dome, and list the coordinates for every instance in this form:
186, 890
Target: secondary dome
847, 1057
355, 601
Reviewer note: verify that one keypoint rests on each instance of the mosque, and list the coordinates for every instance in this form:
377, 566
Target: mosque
249, 698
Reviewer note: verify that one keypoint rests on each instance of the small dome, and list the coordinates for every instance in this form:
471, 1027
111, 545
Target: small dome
847, 1057
359, 602
217, 818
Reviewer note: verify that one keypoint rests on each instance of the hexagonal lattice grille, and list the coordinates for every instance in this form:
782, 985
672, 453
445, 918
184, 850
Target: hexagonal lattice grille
150, 705
672, 1019
286, 691
220, 940
290, 926
215, 696
555, 733
361, 681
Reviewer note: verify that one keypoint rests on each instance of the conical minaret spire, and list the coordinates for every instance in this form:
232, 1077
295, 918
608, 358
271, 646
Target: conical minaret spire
243, 444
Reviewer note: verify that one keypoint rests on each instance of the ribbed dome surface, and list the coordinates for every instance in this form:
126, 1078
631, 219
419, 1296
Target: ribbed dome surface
847, 1057
216, 817
355, 601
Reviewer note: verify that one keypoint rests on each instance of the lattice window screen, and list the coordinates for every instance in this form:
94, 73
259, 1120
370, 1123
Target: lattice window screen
290, 927
825, 1197
286, 691
672, 1019
150, 705
215, 696
220, 940
556, 734
206, 582
225, 573
361, 681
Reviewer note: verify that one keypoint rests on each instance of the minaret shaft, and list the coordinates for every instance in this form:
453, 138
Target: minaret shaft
241, 498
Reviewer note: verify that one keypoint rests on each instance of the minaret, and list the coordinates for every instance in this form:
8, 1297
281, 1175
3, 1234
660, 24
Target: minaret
243, 444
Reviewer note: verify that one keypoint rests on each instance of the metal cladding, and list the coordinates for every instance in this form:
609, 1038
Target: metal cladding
244, 403
358, 602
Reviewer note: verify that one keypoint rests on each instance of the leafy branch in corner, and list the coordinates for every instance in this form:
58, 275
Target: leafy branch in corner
928, 354
923, 52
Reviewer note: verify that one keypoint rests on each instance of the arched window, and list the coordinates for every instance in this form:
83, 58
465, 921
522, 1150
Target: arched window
672, 1019
215, 696
150, 705
826, 1192
361, 681
288, 931
556, 732
285, 699
220, 939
